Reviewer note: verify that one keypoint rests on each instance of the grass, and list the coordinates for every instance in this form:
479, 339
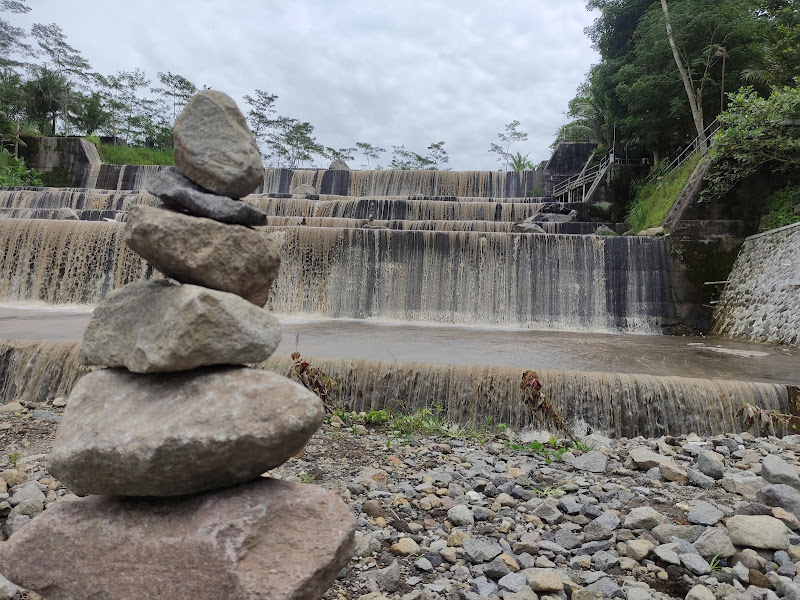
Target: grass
125, 155
654, 200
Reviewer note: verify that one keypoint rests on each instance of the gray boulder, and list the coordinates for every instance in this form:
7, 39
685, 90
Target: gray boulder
776, 470
525, 227
154, 326
169, 434
339, 165
758, 532
782, 495
266, 539
182, 193
215, 148
710, 464
65, 213
230, 258
304, 189
592, 462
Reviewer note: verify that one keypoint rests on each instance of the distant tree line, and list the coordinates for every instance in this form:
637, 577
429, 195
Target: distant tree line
47, 87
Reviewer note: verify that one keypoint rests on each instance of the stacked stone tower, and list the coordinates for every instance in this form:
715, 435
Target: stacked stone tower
171, 440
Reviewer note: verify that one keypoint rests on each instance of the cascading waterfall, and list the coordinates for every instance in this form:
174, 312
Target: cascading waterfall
75, 198
614, 404
561, 282
380, 209
64, 262
484, 184
551, 282
572, 228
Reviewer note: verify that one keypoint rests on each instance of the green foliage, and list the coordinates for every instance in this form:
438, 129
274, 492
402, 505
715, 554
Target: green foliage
779, 208
378, 417
519, 162
133, 155
636, 94
511, 136
550, 451
13, 459
306, 478
13, 171
653, 201
714, 563
755, 132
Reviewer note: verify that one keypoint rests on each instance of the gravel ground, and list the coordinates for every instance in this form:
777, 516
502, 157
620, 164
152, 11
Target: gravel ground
486, 516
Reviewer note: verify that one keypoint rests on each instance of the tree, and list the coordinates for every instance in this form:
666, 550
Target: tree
437, 155
177, 90
90, 114
343, 154
128, 108
507, 139
408, 160
261, 116
521, 163
755, 132
293, 143
65, 61
371, 153
44, 93
12, 39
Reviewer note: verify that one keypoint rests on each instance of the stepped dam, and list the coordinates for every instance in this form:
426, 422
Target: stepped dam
424, 249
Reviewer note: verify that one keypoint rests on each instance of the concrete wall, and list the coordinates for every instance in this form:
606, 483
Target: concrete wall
64, 161
761, 302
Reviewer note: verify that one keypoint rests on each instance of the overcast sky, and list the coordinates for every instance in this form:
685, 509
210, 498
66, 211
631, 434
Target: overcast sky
396, 72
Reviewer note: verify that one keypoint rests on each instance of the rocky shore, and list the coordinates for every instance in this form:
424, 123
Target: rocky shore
486, 516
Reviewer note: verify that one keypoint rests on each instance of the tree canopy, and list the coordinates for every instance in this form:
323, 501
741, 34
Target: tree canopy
643, 90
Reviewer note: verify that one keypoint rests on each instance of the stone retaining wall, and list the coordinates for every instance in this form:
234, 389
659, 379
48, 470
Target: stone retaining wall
761, 302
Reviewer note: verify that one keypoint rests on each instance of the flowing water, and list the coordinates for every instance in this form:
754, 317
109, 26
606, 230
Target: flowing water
547, 281
370, 303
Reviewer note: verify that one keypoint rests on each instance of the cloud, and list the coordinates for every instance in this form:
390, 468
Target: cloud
406, 72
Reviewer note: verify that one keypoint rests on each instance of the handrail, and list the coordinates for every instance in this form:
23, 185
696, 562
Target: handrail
581, 178
693, 147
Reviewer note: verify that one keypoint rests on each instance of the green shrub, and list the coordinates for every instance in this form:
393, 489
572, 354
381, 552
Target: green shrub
13, 171
778, 209
654, 201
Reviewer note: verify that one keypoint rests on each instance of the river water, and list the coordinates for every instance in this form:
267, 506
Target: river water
351, 339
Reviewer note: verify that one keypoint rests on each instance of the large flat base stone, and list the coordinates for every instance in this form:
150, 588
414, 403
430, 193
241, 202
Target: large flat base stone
264, 540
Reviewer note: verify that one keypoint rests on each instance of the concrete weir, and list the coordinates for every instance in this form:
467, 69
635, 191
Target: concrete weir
616, 404
416, 248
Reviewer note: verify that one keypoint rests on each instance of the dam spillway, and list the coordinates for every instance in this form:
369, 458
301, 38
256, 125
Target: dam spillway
437, 248
573, 282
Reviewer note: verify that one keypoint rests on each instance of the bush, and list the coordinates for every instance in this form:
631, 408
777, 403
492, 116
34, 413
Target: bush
778, 209
13, 171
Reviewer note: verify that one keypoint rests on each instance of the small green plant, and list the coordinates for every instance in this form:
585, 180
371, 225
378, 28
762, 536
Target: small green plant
715, 563
548, 491
14, 459
306, 478
378, 417
133, 155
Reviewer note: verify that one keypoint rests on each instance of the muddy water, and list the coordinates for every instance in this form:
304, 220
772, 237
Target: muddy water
496, 347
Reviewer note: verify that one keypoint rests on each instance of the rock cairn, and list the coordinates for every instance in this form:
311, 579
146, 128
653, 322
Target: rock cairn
172, 439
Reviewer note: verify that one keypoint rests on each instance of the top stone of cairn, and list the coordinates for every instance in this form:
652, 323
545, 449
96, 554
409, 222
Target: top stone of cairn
214, 147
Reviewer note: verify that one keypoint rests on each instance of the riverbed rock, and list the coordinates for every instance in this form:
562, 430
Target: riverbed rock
215, 148
304, 189
776, 470
758, 532
524, 227
168, 434
178, 191
156, 326
265, 539
230, 258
